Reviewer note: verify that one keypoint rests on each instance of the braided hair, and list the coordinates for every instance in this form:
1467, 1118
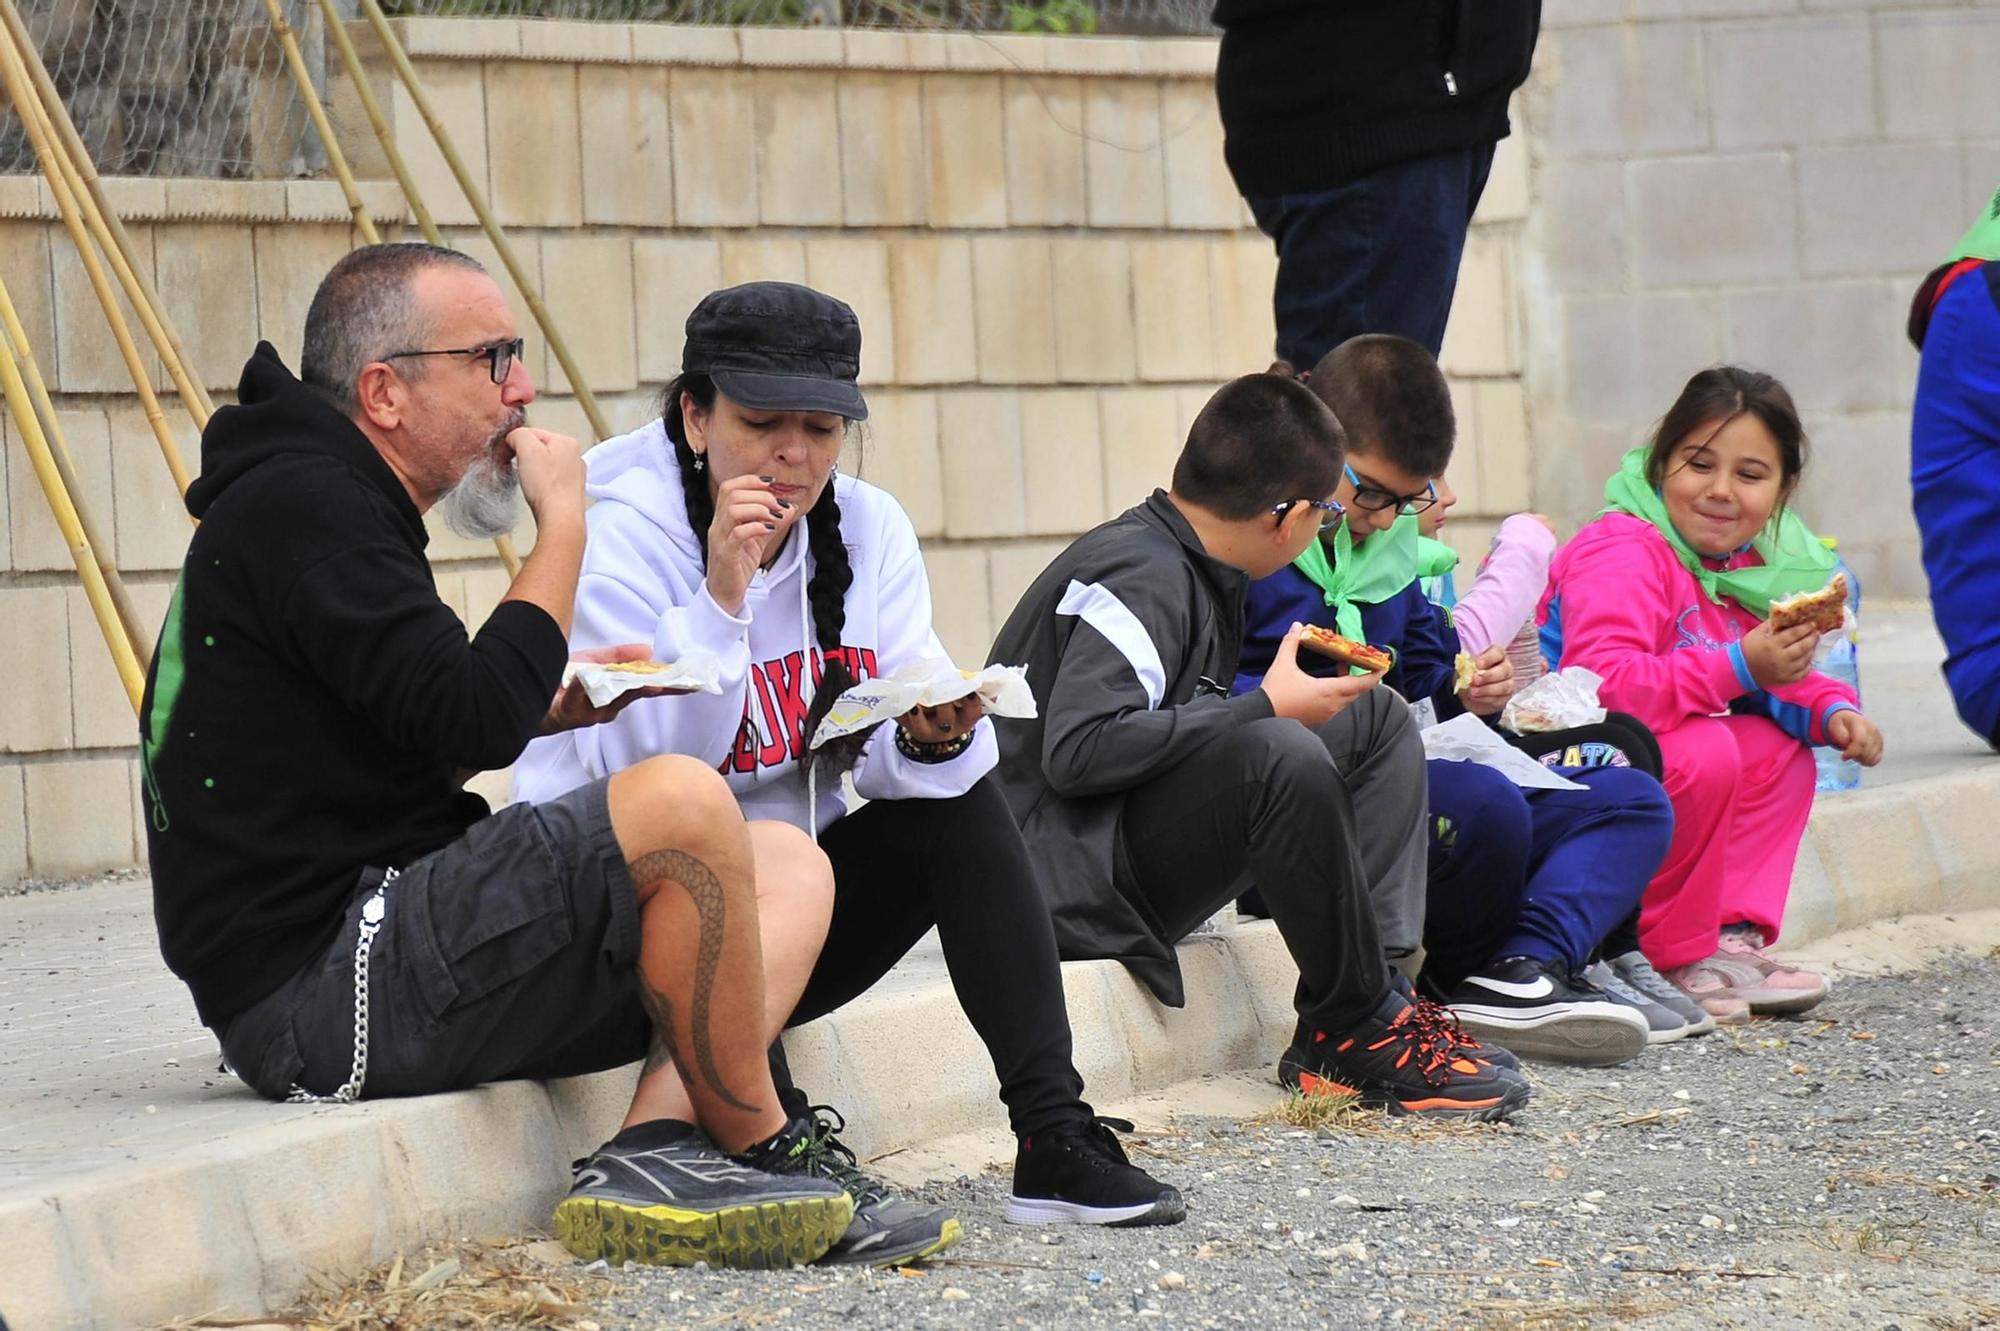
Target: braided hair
832, 574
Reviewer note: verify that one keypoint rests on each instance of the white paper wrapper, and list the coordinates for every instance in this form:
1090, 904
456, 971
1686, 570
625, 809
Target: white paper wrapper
1555, 702
1003, 689
697, 672
1467, 739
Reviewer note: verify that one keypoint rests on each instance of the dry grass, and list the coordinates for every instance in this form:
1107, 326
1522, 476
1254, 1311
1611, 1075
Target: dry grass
1883, 1178
447, 1287
1344, 1115
1611, 1310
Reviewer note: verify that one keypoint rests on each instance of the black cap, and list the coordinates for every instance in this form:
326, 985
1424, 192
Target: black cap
778, 346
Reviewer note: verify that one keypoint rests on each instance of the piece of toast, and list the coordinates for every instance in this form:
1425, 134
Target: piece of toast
1345, 650
1824, 609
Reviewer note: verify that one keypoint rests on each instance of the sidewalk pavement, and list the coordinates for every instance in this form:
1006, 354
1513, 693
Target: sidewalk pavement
138, 1183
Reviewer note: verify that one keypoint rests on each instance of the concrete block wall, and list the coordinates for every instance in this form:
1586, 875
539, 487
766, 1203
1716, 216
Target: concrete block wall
1760, 181
1050, 263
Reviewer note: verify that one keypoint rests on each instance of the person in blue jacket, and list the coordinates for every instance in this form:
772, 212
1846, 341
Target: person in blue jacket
1523, 883
1955, 464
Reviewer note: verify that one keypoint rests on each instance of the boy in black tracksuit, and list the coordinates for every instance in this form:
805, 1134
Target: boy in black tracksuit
1149, 796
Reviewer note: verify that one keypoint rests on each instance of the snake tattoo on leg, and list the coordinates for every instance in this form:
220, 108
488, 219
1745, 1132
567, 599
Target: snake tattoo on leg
705, 890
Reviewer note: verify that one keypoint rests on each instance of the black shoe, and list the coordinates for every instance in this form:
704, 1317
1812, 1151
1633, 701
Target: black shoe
886, 1229
1399, 1061
660, 1194
1538, 1011
1434, 1015
1078, 1174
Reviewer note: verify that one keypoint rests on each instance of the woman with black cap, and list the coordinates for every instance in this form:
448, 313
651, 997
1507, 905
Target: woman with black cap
696, 543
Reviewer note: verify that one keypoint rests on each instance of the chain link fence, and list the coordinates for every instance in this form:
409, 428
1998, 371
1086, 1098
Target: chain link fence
201, 88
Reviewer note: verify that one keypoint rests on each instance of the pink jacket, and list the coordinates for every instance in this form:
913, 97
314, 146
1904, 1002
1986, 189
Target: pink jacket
1620, 604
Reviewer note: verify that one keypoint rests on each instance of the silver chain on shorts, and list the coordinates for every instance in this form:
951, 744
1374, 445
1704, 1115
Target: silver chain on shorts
373, 912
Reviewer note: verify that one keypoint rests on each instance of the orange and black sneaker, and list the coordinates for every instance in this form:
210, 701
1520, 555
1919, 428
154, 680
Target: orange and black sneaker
1441, 1018
1396, 1060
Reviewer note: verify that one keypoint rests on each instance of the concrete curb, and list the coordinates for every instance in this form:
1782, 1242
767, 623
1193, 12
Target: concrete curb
238, 1225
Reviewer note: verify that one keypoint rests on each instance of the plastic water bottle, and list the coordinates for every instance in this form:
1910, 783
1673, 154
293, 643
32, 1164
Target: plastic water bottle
1842, 662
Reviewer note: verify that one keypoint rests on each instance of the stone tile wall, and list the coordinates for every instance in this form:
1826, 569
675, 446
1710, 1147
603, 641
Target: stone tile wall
1051, 265
1760, 181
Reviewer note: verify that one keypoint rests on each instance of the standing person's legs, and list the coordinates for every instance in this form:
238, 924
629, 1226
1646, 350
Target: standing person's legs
1377, 255
1480, 838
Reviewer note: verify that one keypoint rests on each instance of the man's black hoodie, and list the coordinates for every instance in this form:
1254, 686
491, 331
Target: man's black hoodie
311, 698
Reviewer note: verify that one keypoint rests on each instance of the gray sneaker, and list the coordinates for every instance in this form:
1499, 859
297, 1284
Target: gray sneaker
660, 1194
1638, 974
887, 1230
1663, 1024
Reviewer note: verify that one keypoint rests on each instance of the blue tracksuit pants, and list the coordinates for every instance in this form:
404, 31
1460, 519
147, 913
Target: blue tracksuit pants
1536, 873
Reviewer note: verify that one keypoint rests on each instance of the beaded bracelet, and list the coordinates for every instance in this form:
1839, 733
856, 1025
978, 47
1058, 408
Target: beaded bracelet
943, 751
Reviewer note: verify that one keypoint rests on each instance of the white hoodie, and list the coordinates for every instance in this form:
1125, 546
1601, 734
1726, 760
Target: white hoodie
644, 580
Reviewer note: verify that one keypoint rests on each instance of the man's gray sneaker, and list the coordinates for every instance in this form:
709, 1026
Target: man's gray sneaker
886, 1230
661, 1194
1663, 1024
1638, 974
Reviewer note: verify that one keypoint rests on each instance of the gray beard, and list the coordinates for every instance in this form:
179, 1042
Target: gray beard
486, 501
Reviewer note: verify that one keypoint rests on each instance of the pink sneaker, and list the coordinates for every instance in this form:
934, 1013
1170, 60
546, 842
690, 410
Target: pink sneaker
1769, 985
1711, 989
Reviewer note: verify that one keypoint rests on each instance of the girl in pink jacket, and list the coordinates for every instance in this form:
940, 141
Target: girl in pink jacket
1664, 596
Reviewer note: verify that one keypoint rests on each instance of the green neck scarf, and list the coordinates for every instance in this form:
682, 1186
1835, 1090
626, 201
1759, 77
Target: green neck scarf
1383, 565
1982, 240
1434, 557
1794, 559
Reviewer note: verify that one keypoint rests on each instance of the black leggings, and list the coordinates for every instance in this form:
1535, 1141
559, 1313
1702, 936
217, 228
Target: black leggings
901, 866
1629, 736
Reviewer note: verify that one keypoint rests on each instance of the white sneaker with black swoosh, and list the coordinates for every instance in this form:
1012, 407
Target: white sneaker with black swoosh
1538, 1011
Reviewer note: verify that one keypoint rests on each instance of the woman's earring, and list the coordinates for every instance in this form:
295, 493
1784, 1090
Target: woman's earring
701, 462
835, 472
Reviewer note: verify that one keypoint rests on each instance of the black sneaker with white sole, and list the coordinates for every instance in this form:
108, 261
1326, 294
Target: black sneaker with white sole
1537, 1011
1078, 1174
1663, 1024
661, 1194
1633, 968
886, 1230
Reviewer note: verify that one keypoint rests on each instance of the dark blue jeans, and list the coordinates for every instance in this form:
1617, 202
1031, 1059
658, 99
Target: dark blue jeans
1536, 873
1379, 255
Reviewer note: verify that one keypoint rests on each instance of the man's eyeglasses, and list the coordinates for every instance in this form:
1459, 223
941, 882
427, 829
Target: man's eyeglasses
501, 354
1374, 499
1333, 509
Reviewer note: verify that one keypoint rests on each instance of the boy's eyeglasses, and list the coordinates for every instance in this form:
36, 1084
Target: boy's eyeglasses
1374, 499
1333, 509
501, 354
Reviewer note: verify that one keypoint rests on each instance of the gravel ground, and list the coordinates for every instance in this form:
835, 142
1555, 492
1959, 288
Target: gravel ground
1832, 1171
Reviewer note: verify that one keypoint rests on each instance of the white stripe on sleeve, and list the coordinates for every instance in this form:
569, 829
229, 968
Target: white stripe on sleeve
1098, 607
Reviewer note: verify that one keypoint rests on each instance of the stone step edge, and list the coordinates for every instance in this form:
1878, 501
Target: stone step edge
236, 1226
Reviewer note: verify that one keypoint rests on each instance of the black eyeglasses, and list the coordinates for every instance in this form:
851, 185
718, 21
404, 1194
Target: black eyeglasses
1331, 507
501, 354
1374, 499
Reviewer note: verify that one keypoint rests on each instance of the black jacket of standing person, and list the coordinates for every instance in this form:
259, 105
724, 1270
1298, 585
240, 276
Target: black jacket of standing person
1316, 93
312, 699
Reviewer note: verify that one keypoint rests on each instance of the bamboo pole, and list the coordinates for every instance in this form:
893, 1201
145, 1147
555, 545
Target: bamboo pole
110, 230
130, 674
475, 196
335, 159
350, 59
38, 394
27, 108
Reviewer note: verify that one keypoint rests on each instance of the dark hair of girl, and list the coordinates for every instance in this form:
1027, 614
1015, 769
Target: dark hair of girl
1718, 395
832, 574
